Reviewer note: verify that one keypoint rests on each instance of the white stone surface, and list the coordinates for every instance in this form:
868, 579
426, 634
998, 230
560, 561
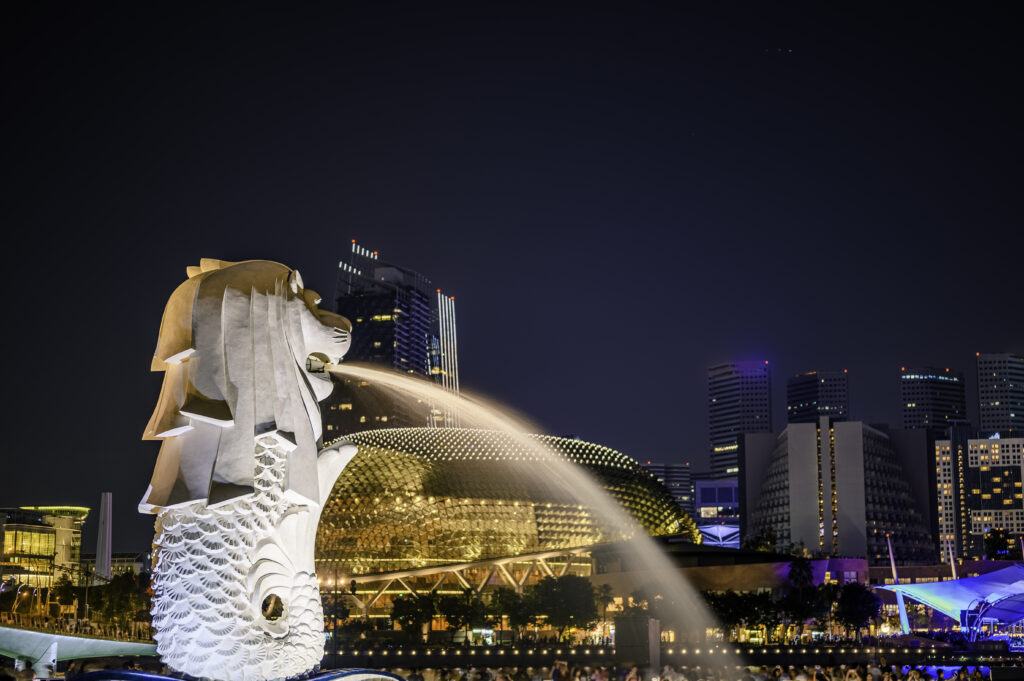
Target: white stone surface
239, 483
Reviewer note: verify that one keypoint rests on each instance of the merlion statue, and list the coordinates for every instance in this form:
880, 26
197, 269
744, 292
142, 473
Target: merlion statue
239, 481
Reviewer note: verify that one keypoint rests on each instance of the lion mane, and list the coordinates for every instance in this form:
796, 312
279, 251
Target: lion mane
235, 346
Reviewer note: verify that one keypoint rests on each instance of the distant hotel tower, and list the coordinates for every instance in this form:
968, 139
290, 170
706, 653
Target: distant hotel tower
931, 398
678, 478
1001, 392
817, 393
398, 321
739, 401
837, 489
979, 488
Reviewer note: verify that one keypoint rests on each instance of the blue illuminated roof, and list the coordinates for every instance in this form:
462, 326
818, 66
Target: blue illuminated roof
1002, 591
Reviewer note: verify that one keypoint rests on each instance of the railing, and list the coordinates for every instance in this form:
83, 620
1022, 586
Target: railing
140, 632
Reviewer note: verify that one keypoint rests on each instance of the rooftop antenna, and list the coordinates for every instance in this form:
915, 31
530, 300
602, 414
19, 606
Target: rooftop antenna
904, 623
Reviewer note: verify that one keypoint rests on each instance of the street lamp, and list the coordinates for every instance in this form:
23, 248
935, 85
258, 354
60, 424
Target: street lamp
17, 595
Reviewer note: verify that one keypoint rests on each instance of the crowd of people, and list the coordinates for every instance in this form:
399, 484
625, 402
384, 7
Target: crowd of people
563, 671
862, 672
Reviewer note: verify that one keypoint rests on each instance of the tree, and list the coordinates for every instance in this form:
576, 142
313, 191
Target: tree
124, 599
763, 610
463, 611
798, 602
413, 611
856, 606
506, 602
567, 601
997, 544
524, 614
763, 540
731, 609
64, 590
605, 597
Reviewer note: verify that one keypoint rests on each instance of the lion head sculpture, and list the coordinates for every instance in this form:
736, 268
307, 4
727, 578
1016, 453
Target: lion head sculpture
242, 346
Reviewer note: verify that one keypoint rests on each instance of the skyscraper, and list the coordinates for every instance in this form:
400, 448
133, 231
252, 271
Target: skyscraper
979, 488
1001, 392
931, 398
677, 477
817, 393
739, 401
398, 321
838, 488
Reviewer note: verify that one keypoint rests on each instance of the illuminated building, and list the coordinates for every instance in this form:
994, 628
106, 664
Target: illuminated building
120, 563
838, 488
678, 479
418, 506
1001, 392
40, 543
813, 394
739, 401
978, 489
997, 598
931, 398
717, 509
398, 321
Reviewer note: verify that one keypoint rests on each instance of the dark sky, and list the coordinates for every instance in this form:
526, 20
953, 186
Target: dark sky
618, 195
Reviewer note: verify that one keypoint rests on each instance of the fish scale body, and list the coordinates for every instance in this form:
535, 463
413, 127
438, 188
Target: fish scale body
206, 613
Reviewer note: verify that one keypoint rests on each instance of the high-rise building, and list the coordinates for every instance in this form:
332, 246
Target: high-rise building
401, 322
979, 488
813, 394
678, 479
739, 401
837, 489
952, 485
1001, 392
41, 543
931, 398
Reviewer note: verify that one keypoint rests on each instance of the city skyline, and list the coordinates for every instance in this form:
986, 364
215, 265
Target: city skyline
801, 185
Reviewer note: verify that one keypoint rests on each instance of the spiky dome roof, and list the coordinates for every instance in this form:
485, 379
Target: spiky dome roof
418, 497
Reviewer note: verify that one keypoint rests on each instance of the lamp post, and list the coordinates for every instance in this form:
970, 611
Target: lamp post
17, 595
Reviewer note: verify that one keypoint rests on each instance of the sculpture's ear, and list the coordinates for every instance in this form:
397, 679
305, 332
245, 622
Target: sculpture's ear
295, 281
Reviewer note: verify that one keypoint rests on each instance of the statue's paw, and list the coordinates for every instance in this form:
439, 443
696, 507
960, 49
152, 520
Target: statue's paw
330, 463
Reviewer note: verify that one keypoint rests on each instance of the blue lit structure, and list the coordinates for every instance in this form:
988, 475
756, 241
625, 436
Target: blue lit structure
995, 599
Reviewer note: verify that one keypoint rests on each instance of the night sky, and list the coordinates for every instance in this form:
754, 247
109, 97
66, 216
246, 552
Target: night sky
618, 196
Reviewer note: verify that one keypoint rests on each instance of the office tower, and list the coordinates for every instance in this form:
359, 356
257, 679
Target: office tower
1001, 392
837, 489
931, 398
401, 322
817, 393
739, 401
979, 489
677, 478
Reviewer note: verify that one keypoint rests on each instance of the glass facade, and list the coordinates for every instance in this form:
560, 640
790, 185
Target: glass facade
39, 542
424, 497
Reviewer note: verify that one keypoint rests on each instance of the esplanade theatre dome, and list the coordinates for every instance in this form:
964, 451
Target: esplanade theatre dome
426, 497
